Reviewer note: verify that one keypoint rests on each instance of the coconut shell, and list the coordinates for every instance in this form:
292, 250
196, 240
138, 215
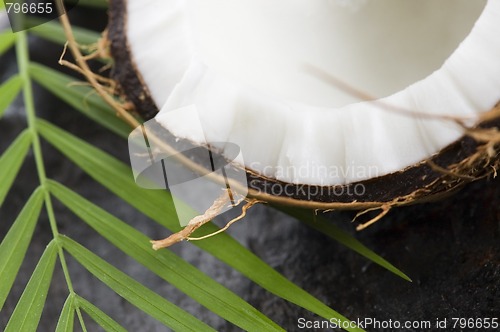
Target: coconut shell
461, 162
125, 72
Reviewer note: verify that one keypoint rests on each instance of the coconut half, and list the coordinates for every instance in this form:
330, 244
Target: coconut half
242, 65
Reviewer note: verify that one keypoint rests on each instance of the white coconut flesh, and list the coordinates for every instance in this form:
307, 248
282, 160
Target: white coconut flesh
240, 65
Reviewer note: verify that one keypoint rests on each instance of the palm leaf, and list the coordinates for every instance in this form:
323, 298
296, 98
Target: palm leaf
54, 32
11, 161
67, 317
8, 92
27, 313
321, 224
80, 96
14, 245
7, 39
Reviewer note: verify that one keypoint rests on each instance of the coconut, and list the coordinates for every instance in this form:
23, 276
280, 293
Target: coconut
357, 104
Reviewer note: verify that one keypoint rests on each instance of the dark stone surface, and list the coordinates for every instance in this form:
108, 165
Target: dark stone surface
451, 248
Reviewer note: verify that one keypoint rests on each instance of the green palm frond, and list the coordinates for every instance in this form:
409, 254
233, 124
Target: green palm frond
115, 176
54, 32
67, 318
11, 161
29, 308
14, 245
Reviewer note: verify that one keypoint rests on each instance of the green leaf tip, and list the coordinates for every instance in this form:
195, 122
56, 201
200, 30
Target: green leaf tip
67, 317
28, 311
344, 238
15, 244
9, 91
11, 161
7, 40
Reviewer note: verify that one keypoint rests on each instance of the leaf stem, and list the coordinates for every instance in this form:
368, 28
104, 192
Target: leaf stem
23, 63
